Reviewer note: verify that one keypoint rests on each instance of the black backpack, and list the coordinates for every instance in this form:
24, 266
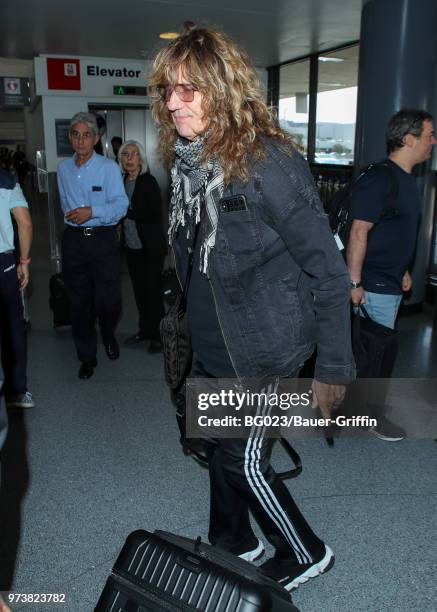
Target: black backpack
340, 207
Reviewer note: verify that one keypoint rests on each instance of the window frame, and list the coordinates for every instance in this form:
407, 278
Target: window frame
273, 88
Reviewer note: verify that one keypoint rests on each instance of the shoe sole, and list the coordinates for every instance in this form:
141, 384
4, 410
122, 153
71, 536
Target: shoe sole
253, 555
381, 436
16, 405
312, 572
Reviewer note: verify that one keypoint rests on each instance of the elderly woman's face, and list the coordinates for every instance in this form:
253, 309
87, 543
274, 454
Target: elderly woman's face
131, 159
188, 117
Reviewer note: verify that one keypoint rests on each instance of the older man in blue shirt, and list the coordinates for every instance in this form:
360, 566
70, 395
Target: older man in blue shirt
93, 200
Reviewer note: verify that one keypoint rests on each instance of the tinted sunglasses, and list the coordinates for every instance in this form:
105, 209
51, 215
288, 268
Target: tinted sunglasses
184, 92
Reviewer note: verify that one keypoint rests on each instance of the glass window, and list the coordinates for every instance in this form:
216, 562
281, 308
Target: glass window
337, 106
294, 83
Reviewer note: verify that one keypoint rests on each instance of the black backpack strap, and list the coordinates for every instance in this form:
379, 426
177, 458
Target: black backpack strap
391, 209
393, 193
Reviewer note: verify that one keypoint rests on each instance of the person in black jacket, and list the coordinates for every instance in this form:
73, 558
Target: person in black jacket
145, 242
267, 285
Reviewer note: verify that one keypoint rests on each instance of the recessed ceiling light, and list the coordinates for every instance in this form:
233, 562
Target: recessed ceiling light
323, 58
168, 35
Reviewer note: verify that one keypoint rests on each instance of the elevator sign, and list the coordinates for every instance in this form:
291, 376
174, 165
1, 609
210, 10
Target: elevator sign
126, 90
113, 71
90, 77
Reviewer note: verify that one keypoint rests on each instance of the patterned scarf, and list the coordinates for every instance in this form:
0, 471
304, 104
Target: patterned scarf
194, 185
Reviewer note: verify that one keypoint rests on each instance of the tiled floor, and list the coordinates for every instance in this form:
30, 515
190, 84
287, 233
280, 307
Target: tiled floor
97, 459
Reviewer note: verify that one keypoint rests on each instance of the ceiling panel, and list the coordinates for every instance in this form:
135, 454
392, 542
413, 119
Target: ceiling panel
272, 31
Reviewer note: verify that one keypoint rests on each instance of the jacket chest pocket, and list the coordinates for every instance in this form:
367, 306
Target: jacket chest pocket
240, 231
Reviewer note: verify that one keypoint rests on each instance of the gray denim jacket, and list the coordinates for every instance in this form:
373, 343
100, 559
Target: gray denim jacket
279, 281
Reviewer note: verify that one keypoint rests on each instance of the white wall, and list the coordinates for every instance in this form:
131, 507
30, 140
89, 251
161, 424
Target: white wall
95, 90
58, 107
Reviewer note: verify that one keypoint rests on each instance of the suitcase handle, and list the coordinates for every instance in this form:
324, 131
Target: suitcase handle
364, 311
190, 563
294, 456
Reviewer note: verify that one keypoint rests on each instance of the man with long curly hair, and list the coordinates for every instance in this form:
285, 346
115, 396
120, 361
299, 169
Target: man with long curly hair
267, 285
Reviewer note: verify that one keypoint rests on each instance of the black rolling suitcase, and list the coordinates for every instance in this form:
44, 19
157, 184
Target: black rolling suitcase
164, 572
58, 301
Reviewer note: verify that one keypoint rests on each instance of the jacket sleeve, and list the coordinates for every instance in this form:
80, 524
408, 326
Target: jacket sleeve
297, 215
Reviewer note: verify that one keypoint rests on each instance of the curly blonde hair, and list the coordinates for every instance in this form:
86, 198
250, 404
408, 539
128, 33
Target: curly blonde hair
232, 100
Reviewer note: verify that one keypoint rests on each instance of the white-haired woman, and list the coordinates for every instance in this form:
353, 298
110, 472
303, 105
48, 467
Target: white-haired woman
145, 242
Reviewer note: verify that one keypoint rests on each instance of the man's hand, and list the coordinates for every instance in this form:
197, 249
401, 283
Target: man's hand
80, 215
407, 281
327, 397
23, 277
357, 296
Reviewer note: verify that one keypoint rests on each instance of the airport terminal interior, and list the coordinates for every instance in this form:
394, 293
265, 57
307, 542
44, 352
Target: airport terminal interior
97, 459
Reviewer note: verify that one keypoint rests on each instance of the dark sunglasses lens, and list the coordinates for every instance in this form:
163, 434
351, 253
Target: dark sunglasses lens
185, 93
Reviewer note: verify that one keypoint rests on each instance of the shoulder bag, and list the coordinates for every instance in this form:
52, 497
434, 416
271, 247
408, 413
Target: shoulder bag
175, 333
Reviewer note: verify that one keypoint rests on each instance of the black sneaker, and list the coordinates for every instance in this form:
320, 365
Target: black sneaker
22, 400
86, 369
255, 553
387, 431
290, 575
251, 552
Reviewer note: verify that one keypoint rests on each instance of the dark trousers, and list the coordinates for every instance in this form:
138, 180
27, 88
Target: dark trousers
3, 419
242, 479
12, 328
91, 272
145, 269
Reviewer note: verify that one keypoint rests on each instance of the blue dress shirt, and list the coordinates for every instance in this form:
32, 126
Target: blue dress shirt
97, 183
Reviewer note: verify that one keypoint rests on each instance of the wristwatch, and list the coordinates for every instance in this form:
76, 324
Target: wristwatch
356, 284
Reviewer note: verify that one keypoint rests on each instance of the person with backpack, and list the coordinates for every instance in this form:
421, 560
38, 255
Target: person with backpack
385, 214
